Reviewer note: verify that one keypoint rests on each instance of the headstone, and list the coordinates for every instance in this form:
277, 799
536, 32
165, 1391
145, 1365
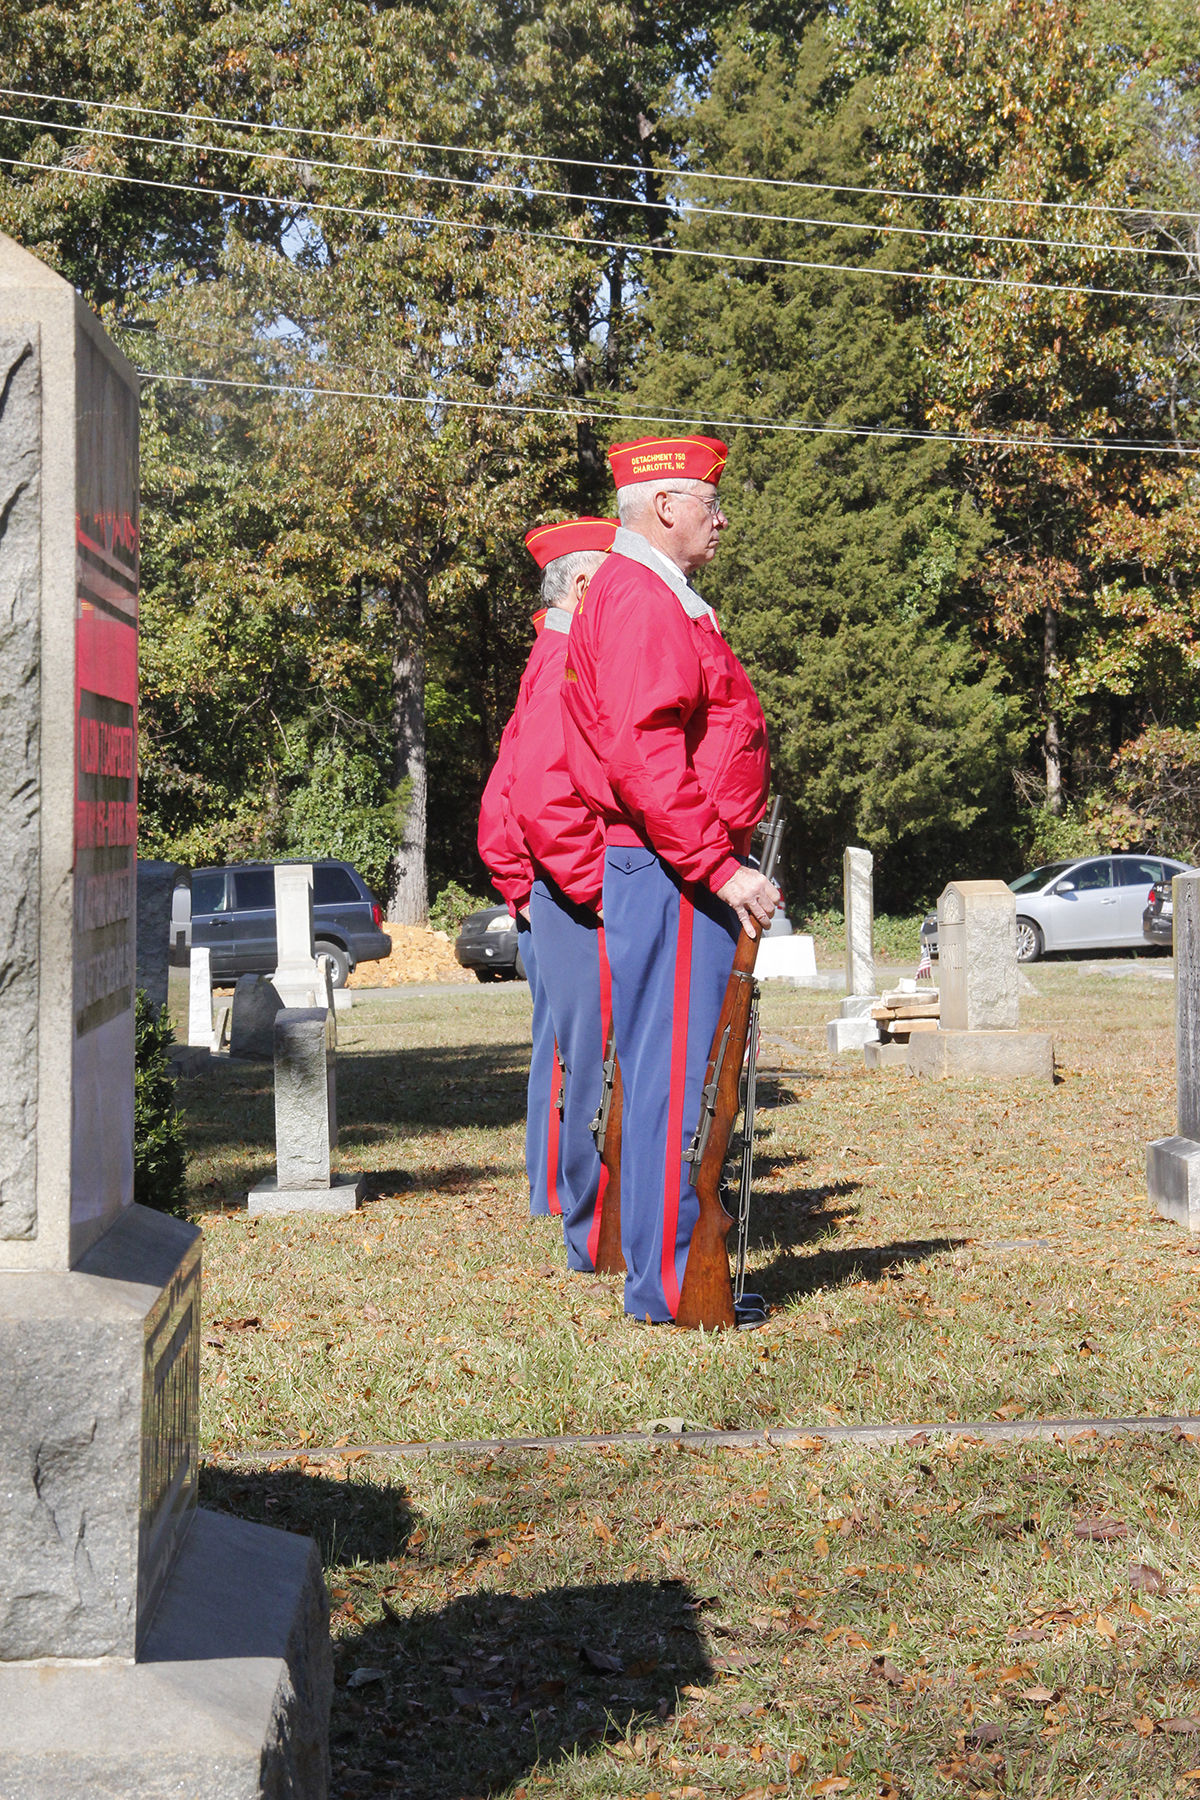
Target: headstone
1173, 1163
99, 1297
305, 1120
977, 956
784, 958
256, 1002
858, 900
853, 1028
296, 979
200, 1004
181, 922
155, 884
978, 1033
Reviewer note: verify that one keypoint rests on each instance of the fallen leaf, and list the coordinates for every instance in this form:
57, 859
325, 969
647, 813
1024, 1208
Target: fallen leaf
1185, 1727
687, 1793
987, 1734
1190, 1775
1100, 1531
695, 1693
1146, 1580
832, 1784
1106, 1628
645, 1667
477, 1697
879, 1668
1012, 1409
1041, 1696
918, 1440
1139, 1612
821, 1548
1144, 1726
735, 1661
604, 1665
361, 1677
1028, 1634
237, 1324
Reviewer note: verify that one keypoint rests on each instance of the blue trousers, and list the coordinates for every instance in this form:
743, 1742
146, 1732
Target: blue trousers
542, 1134
670, 947
572, 967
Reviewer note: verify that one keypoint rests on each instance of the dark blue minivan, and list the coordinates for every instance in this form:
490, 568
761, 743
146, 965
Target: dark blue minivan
233, 916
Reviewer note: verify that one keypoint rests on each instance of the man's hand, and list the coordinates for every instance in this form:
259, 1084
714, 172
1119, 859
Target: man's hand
752, 897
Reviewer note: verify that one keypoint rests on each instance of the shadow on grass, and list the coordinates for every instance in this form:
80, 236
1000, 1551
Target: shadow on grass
791, 1277
488, 1688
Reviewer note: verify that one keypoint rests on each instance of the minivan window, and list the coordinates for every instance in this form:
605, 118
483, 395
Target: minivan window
333, 886
208, 893
255, 889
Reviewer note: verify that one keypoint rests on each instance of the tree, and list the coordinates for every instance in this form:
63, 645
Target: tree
1046, 109
839, 581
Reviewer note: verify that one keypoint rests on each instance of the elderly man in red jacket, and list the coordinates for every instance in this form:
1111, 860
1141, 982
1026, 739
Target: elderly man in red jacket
667, 745
546, 853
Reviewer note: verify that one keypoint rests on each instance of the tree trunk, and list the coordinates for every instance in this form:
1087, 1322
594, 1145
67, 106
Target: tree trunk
409, 901
1053, 740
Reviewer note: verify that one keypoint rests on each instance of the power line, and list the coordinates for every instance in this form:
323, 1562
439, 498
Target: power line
574, 162
687, 207
581, 242
562, 412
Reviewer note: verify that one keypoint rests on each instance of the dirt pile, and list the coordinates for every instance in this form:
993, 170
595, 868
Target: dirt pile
418, 954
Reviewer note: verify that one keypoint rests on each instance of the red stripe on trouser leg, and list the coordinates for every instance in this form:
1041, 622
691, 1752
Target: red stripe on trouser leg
679, 1036
552, 1139
593, 1241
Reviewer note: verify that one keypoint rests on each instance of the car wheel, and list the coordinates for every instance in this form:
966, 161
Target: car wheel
339, 959
1030, 942
487, 974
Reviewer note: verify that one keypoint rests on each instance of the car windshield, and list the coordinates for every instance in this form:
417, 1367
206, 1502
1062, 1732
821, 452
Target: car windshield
1037, 878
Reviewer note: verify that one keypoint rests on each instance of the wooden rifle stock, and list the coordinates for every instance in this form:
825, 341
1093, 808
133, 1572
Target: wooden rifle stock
606, 1127
706, 1298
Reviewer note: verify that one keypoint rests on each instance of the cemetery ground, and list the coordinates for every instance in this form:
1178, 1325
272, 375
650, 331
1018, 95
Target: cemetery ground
946, 1617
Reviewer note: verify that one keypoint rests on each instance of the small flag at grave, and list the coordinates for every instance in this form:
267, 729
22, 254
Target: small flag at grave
925, 966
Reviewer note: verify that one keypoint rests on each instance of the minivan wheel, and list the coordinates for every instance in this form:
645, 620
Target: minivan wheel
339, 959
1030, 942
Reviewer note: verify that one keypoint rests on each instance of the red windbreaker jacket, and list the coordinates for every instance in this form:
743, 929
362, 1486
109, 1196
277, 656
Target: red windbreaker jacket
665, 738
500, 843
563, 839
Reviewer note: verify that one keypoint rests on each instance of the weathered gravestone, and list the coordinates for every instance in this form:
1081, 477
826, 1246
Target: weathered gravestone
300, 979
854, 1025
108, 1573
305, 1120
978, 1031
200, 1006
155, 885
1173, 1163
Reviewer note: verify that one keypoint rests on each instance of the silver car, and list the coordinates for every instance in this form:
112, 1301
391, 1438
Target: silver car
1093, 904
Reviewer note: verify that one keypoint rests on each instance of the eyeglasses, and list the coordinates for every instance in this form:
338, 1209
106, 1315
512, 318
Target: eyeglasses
712, 507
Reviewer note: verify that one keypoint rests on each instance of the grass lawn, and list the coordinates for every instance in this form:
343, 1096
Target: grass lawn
966, 1251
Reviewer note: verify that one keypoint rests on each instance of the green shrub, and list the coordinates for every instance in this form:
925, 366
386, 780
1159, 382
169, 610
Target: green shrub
159, 1157
897, 935
452, 905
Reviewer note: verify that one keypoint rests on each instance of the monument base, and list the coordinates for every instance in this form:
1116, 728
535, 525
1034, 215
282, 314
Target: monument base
1002, 1055
885, 1055
850, 1034
229, 1700
1173, 1180
344, 1194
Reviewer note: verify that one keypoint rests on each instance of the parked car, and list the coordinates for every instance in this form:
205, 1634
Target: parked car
233, 916
487, 943
1158, 920
1095, 903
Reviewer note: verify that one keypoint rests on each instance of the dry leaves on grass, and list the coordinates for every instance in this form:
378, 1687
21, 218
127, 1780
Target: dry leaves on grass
1100, 1530
417, 954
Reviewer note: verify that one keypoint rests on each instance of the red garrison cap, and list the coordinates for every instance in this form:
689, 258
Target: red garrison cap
688, 459
546, 542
